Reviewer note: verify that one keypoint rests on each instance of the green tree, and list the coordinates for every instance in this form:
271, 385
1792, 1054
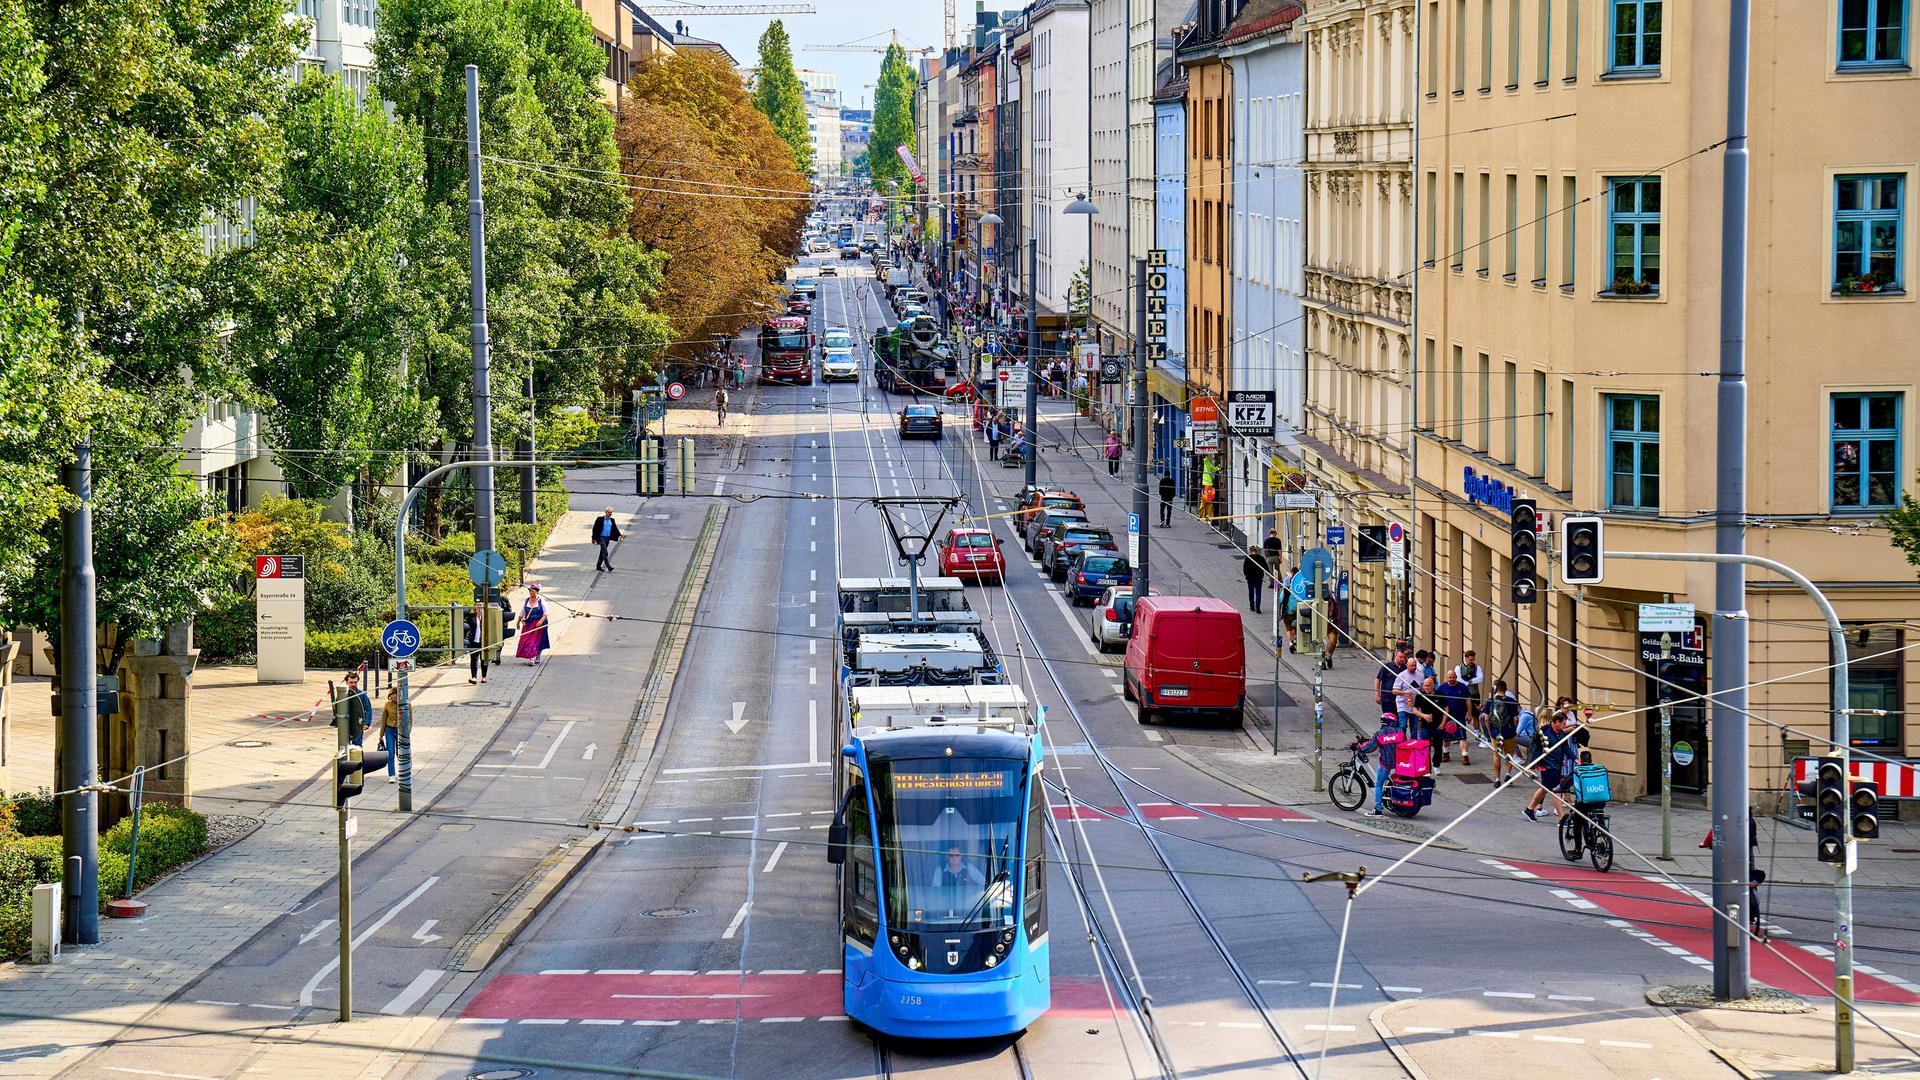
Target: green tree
1903, 524
778, 95
327, 299
892, 121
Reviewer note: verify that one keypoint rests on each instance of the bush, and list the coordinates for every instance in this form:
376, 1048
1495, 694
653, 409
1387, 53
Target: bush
36, 859
169, 835
36, 814
342, 649
225, 631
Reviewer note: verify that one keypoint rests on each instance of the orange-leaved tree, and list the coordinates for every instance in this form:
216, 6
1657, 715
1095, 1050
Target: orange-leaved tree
715, 189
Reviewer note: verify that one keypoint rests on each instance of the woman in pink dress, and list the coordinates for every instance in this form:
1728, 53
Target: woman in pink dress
533, 627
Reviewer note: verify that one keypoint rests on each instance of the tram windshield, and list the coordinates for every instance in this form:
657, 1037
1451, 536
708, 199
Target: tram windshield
950, 841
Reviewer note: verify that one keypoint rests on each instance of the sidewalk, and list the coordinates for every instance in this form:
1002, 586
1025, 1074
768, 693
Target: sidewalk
200, 915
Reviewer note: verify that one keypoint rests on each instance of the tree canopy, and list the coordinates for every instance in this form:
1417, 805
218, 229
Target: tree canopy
778, 95
892, 121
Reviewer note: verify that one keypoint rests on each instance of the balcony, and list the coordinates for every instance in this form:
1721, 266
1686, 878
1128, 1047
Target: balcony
1383, 301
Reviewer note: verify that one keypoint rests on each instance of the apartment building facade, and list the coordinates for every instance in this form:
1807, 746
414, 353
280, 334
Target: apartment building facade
1110, 325
1568, 330
1167, 379
1209, 196
1266, 250
1059, 136
1359, 295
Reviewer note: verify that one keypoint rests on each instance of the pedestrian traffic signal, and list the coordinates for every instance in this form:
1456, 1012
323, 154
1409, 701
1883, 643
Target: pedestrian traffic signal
1582, 557
1865, 798
1526, 583
1830, 810
350, 768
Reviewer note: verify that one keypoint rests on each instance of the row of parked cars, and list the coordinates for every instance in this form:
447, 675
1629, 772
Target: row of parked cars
1184, 654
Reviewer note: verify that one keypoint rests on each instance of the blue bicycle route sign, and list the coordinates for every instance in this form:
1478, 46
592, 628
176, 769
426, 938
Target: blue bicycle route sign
400, 638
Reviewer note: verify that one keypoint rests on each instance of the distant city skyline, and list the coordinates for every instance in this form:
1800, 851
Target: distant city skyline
837, 22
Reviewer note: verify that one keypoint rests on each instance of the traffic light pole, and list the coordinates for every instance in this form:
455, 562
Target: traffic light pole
1729, 852
1666, 753
341, 722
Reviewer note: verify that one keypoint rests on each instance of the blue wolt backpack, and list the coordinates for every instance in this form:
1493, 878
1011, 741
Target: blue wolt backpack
1591, 785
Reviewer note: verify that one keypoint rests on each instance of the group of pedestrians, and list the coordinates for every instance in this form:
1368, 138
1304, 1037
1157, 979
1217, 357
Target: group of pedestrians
1000, 427
1460, 705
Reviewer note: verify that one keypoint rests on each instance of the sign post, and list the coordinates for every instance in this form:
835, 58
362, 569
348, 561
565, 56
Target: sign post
1666, 620
401, 639
1396, 551
280, 618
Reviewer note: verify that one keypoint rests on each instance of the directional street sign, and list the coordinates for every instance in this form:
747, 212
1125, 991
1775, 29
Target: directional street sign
400, 638
1250, 412
1336, 535
1666, 618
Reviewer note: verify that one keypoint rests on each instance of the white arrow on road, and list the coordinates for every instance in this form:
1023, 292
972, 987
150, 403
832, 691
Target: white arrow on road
315, 932
306, 992
423, 936
587, 754
739, 717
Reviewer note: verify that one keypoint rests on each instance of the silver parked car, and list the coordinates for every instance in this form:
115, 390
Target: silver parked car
1112, 619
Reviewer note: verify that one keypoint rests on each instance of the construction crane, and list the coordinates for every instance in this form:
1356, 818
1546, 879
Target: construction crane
678, 7
953, 28
893, 38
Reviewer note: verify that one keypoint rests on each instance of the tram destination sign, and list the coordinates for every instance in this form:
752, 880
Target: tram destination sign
959, 781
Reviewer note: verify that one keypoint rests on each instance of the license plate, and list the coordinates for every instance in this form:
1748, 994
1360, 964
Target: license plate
1173, 691
977, 558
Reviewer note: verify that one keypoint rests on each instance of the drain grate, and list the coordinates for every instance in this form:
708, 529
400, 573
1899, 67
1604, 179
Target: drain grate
500, 1074
669, 912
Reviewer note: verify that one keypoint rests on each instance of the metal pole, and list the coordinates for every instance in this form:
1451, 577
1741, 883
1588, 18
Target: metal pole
1141, 438
1319, 727
79, 679
1731, 963
527, 479
1030, 444
483, 539
1666, 753
340, 723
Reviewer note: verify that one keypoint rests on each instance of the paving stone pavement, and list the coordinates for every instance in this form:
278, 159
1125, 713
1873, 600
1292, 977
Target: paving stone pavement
198, 916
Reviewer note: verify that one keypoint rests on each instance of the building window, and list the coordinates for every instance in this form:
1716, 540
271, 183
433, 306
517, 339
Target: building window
1432, 31
1635, 35
1459, 220
1866, 451
1874, 681
1486, 407
1540, 231
1633, 235
1459, 46
1513, 44
1569, 212
1633, 452
1867, 231
1428, 380
1540, 424
1545, 48
1573, 40
1486, 46
1873, 33
1513, 226
1433, 215
1512, 390
1459, 395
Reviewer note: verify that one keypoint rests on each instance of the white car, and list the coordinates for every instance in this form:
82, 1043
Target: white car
829, 270
837, 359
1113, 618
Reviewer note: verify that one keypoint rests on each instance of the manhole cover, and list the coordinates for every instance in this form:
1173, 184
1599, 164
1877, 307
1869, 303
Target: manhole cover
480, 704
249, 744
500, 1074
668, 913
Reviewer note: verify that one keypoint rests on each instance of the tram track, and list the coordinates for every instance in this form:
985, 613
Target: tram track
974, 1063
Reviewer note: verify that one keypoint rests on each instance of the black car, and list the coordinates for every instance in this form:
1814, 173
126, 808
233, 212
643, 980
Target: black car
1043, 525
849, 251
1058, 548
920, 420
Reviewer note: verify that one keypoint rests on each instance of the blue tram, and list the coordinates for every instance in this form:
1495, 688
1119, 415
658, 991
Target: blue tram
940, 834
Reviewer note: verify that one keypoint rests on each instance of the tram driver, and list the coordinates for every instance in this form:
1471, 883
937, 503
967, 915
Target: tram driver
959, 872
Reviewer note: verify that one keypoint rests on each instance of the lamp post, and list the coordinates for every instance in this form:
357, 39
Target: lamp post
1082, 206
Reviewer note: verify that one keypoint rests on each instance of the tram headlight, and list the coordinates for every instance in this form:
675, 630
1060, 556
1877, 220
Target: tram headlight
913, 963
1000, 948
992, 960
1007, 936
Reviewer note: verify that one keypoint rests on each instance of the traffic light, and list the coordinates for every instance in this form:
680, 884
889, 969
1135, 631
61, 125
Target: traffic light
1583, 559
350, 768
1830, 810
1526, 585
1865, 799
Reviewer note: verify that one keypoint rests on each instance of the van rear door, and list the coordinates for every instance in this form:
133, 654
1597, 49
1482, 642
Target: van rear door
1199, 659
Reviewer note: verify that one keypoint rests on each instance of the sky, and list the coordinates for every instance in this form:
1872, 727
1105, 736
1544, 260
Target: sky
834, 22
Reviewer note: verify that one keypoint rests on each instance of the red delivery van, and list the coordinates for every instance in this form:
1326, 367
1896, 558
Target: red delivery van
1187, 654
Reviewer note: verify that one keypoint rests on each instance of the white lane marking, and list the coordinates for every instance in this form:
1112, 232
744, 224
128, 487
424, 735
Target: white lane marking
813, 620
417, 989
598, 1022
425, 934
1626, 1045
1506, 994
773, 860
1321, 985
788, 813
1429, 1031
543, 1020
156, 1072
813, 596
813, 545
587, 754
812, 521
738, 918
1236, 1024
1402, 990
1279, 982
813, 646
739, 717
545, 759
563, 971
316, 931
813, 575
306, 992
720, 485
813, 733
621, 971
1329, 1027
226, 1004
813, 676
781, 1019
782, 971
1154, 736
1564, 1039
1493, 1034
1567, 997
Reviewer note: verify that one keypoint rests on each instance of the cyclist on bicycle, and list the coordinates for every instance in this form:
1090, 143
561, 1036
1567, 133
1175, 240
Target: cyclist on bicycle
720, 404
1383, 767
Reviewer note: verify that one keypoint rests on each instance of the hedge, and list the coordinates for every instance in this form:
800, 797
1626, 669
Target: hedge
169, 836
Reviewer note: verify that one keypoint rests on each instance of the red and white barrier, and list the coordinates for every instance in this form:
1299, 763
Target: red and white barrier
1895, 779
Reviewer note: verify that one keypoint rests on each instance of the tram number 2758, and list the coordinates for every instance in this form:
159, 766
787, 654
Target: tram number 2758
910, 999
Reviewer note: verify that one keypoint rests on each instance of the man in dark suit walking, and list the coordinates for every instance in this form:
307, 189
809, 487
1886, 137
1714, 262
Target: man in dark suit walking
606, 532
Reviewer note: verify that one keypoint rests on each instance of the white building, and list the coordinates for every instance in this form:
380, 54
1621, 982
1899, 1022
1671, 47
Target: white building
1267, 246
823, 118
1107, 86
1060, 147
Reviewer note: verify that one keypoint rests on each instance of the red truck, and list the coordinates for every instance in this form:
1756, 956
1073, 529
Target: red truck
786, 351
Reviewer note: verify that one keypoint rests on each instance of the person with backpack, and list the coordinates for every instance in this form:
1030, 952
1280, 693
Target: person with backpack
1473, 677
1383, 743
1501, 720
1554, 760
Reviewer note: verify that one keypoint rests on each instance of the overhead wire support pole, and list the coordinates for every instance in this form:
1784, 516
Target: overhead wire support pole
483, 534
1732, 968
1031, 445
1142, 511
1841, 734
79, 707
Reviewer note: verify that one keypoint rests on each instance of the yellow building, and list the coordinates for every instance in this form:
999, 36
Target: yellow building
1567, 335
1209, 194
1359, 299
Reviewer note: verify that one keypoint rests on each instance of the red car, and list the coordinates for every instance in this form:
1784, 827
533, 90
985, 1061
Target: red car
973, 553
